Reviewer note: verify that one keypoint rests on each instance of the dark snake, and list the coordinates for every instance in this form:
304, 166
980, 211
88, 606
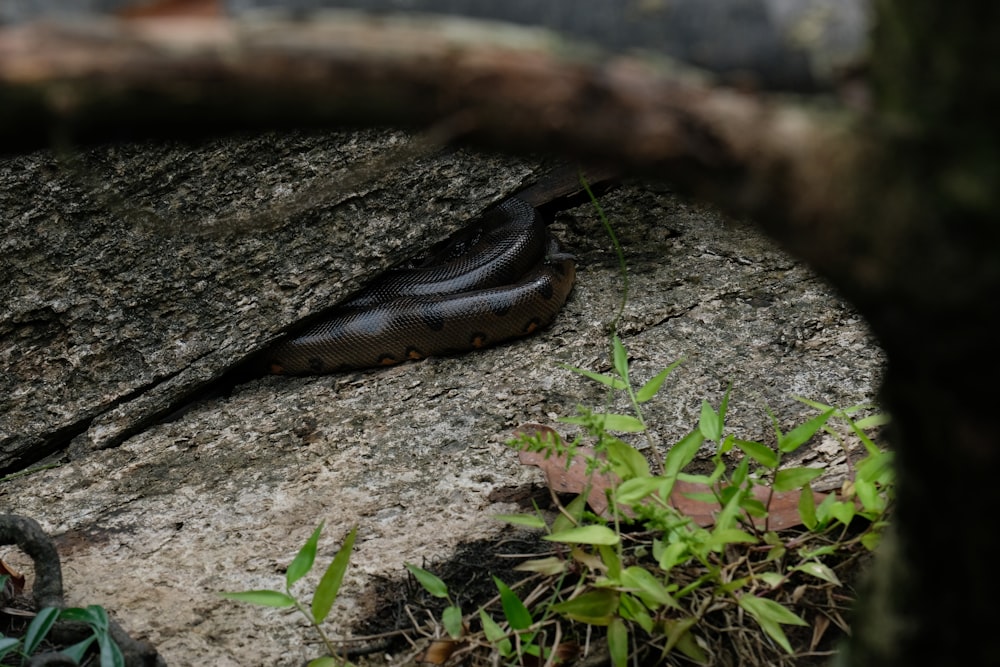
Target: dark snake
500, 279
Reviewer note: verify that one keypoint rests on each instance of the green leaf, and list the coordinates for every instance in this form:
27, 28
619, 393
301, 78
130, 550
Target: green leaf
807, 507
679, 637
717, 473
571, 516
727, 517
451, 619
626, 461
93, 615
770, 615
869, 496
585, 535
8, 644
799, 435
740, 473
528, 520
794, 478
329, 583
707, 497
99, 615
696, 479
325, 661
819, 552
649, 589
611, 561
618, 642
671, 555
431, 583
772, 579
843, 511
710, 425
823, 509
275, 599
870, 446
620, 423
648, 390
763, 608
722, 537
753, 507
495, 634
609, 380
871, 539
517, 614
875, 468
681, 454
822, 407
79, 650
725, 446
596, 607
872, 421
818, 570
724, 406
633, 491
303, 560
762, 454
111, 655
39, 628
630, 609
620, 357
552, 565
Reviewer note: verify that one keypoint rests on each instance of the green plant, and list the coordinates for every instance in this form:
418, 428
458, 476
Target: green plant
675, 584
517, 635
38, 631
323, 598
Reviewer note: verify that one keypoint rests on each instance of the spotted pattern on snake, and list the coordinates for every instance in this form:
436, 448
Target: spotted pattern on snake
499, 279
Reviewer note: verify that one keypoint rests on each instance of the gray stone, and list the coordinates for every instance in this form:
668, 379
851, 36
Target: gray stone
121, 301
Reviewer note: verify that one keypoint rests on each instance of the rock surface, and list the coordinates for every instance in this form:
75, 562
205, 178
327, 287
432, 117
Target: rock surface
138, 273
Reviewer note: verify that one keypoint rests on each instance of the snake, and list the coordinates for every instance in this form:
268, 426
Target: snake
501, 278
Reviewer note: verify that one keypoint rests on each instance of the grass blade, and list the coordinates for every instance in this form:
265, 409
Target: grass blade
303, 560
431, 583
329, 584
275, 599
39, 628
517, 614
648, 390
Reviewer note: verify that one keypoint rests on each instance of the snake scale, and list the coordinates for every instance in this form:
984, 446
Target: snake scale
500, 278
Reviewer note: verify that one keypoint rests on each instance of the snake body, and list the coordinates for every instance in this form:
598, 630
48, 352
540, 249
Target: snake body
500, 279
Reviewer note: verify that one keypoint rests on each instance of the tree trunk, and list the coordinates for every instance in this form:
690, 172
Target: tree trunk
936, 318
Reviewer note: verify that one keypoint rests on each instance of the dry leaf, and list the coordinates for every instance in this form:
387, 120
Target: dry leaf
572, 478
782, 507
438, 652
15, 580
819, 629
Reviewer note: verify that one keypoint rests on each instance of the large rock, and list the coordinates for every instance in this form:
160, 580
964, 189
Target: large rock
138, 273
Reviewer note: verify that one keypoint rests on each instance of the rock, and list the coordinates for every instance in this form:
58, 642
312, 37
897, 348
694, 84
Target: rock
121, 304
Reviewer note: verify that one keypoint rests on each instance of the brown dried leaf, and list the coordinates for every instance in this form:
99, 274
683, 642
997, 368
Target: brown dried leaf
782, 507
15, 581
568, 478
438, 652
819, 629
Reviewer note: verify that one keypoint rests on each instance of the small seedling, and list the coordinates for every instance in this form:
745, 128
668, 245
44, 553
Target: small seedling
677, 585
323, 598
38, 630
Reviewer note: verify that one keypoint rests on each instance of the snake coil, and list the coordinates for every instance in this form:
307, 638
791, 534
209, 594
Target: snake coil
499, 279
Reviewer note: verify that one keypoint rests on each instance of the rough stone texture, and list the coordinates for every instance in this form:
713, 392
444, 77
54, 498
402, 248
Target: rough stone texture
110, 319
